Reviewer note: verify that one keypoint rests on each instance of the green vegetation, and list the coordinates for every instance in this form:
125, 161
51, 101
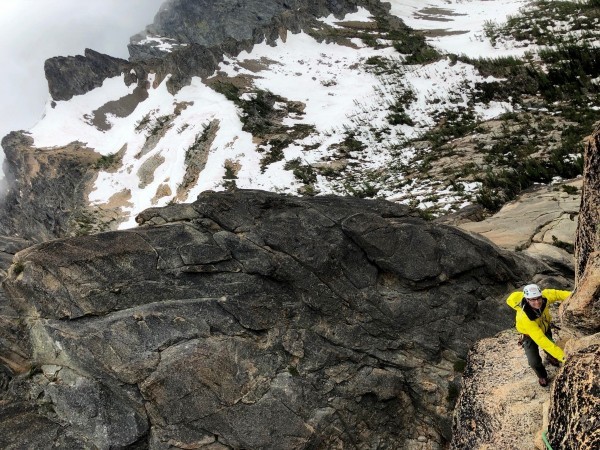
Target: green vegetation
571, 190
272, 155
229, 90
416, 48
229, 173
538, 23
143, 122
560, 86
158, 125
351, 144
18, 268
303, 172
106, 161
198, 144
452, 124
552, 95
363, 190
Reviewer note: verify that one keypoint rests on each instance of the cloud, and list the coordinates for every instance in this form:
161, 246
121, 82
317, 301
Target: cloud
32, 31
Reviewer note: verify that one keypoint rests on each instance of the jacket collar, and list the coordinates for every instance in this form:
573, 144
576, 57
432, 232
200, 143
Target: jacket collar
532, 313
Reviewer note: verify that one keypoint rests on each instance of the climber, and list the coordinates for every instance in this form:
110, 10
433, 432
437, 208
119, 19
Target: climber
533, 321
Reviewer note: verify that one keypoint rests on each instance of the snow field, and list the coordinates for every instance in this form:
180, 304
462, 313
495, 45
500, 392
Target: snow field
342, 87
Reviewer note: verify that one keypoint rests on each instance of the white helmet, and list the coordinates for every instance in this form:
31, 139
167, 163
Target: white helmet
532, 291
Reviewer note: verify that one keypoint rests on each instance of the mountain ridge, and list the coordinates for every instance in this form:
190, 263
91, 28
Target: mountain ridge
308, 166
403, 120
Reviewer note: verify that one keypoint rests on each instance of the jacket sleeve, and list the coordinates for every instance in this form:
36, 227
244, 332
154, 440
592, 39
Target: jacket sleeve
514, 300
535, 332
555, 295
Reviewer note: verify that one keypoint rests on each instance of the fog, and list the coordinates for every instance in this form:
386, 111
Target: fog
32, 31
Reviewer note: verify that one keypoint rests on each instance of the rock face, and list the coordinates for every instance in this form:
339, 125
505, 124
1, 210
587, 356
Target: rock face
588, 235
76, 75
487, 417
541, 223
13, 336
253, 320
228, 23
47, 187
501, 405
573, 418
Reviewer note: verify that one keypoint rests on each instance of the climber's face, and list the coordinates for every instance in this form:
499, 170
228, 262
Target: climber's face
535, 302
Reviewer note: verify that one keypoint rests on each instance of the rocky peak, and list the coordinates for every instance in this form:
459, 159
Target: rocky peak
214, 24
189, 38
76, 75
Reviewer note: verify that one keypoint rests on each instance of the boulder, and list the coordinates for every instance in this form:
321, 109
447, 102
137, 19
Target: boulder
255, 320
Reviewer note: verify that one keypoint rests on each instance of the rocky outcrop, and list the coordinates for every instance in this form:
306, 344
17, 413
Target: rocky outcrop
587, 239
229, 23
573, 419
582, 312
254, 320
198, 35
13, 336
540, 222
76, 75
48, 188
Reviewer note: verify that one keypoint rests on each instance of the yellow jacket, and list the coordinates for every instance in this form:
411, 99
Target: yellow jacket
537, 326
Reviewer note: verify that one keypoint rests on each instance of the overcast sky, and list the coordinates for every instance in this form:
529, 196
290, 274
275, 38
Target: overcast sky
33, 30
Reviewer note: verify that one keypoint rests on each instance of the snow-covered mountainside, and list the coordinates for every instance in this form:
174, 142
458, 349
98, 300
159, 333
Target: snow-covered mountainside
344, 104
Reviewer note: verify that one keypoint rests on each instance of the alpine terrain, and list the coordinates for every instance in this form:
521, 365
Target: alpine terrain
293, 224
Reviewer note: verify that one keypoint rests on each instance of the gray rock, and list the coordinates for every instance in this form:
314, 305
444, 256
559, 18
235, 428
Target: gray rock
541, 222
13, 336
255, 320
587, 239
76, 75
229, 23
47, 189
573, 415
501, 402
